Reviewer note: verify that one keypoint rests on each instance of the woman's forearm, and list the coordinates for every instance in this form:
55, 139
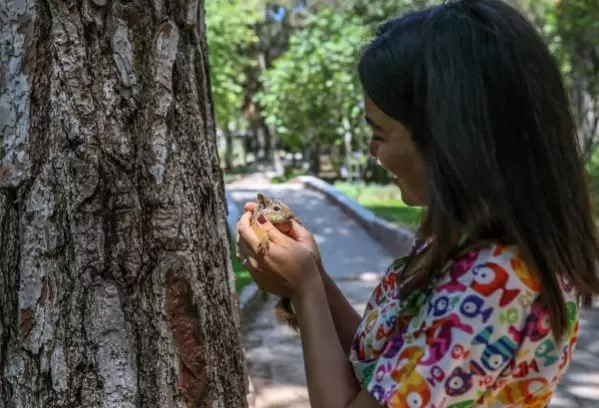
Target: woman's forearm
330, 378
345, 317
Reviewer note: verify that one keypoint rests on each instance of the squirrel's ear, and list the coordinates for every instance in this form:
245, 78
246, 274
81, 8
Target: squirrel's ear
262, 199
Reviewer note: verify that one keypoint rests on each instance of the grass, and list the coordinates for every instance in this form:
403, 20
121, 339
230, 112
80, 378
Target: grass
229, 178
242, 276
384, 201
396, 212
232, 174
289, 174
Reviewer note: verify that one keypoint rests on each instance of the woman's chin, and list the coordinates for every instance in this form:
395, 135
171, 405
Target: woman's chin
407, 200
406, 197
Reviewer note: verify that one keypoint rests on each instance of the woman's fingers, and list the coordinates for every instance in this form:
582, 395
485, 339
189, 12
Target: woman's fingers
262, 273
265, 231
250, 206
297, 231
244, 251
292, 229
247, 255
245, 231
249, 261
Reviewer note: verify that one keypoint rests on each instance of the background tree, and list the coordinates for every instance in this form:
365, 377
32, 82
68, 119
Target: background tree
116, 288
312, 94
244, 38
230, 35
277, 23
573, 29
374, 12
299, 87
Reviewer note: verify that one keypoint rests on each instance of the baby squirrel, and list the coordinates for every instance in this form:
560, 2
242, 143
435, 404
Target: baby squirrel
276, 212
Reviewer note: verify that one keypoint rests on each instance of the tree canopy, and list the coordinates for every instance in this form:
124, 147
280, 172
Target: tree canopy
295, 60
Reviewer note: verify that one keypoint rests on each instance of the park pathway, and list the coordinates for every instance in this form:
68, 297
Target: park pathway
355, 261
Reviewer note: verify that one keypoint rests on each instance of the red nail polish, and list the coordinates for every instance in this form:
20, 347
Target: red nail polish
262, 219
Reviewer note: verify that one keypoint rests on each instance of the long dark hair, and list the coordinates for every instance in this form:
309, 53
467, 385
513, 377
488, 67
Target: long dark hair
488, 111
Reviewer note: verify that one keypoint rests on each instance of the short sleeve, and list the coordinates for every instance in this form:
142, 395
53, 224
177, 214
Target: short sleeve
461, 338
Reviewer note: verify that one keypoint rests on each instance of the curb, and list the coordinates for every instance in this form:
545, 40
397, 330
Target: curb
394, 239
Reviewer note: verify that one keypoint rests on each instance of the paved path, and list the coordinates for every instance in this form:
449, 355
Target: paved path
355, 261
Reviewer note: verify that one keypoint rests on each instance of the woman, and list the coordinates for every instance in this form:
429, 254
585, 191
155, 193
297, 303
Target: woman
469, 112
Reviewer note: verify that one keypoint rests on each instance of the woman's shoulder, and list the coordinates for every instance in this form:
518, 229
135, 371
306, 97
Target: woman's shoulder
489, 273
486, 267
494, 270
490, 264
489, 268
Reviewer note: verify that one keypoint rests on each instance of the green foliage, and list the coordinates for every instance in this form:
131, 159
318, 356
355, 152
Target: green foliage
384, 201
313, 86
573, 30
592, 168
229, 33
570, 26
310, 90
373, 12
242, 275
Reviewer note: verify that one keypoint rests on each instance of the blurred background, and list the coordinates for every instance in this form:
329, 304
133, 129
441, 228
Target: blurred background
288, 101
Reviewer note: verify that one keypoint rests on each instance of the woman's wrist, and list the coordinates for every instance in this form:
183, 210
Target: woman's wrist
312, 282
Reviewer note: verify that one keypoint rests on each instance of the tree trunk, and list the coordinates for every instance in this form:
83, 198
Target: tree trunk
116, 289
315, 152
228, 148
268, 140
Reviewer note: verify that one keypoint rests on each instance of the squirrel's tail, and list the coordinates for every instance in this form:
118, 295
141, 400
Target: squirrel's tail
285, 314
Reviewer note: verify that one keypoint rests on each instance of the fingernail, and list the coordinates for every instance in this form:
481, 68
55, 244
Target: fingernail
262, 219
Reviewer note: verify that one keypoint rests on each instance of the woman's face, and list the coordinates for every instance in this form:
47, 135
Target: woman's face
392, 145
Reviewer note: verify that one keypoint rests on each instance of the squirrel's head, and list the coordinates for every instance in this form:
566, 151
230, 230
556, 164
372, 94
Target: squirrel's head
275, 210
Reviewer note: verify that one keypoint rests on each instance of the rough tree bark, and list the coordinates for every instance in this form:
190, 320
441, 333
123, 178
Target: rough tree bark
115, 283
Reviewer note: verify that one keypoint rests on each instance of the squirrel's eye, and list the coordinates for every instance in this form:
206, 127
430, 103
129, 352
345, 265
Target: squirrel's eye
276, 208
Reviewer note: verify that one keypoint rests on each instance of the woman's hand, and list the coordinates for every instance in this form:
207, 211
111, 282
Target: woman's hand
295, 231
287, 268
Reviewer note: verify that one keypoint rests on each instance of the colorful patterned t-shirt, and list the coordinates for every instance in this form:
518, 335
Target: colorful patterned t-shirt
477, 337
